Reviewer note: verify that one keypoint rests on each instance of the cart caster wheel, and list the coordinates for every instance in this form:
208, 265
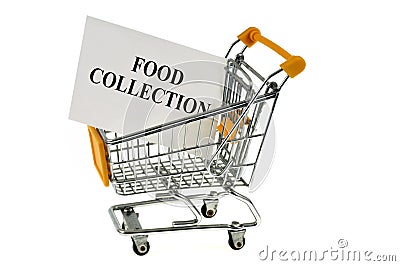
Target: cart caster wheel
238, 245
236, 239
208, 213
142, 250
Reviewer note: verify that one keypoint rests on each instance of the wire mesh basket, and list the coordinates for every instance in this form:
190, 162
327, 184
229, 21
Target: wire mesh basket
216, 150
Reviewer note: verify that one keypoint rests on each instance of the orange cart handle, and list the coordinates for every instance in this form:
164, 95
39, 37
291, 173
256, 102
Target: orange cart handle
293, 65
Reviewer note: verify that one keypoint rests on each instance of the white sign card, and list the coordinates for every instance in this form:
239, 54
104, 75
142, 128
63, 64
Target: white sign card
128, 81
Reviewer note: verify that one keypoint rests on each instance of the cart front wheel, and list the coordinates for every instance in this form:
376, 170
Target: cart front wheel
142, 249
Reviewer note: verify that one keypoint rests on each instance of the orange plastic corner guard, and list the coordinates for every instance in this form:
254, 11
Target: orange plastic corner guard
293, 65
226, 125
99, 155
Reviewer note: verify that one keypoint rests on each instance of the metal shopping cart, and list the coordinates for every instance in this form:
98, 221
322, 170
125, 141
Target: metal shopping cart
197, 170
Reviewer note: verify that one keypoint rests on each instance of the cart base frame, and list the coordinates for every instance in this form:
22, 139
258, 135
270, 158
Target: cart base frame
129, 225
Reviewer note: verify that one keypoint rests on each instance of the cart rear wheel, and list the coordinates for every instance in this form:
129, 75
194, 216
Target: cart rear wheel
236, 245
142, 249
236, 238
208, 213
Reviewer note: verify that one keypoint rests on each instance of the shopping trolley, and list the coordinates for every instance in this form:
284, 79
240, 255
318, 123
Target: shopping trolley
197, 170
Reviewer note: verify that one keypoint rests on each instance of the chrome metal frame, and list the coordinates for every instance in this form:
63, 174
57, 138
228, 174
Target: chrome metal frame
141, 163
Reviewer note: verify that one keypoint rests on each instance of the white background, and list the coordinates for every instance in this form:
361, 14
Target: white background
336, 170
